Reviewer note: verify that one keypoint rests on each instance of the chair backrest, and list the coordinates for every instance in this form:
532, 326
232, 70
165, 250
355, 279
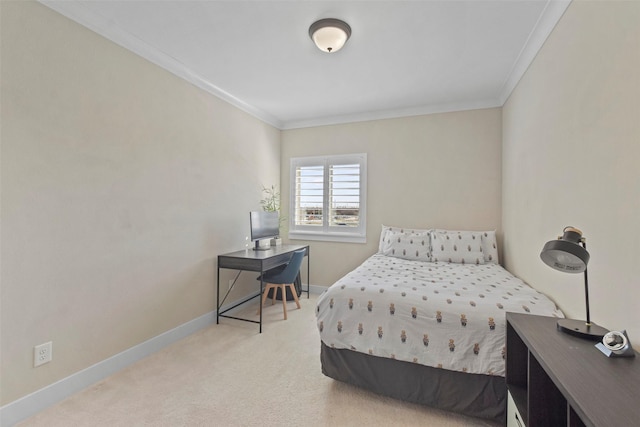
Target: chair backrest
288, 275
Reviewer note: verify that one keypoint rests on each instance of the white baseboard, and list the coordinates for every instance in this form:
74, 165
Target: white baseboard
317, 290
35, 402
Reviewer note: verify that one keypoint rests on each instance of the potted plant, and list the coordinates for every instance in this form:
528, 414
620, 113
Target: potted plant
271, 203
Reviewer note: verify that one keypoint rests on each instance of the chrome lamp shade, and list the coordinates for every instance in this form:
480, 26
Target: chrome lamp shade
569, 254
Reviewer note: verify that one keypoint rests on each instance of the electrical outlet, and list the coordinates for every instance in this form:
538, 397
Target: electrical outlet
42, 354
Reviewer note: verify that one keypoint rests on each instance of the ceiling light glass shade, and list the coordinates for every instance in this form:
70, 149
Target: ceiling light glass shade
566, 254
330, 34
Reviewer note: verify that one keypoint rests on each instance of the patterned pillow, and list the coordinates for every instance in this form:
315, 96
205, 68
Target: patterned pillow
489, 244
412, 246
460, 247
387, 229
490, 247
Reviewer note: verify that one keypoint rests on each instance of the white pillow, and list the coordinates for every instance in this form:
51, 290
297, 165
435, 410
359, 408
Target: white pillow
460, 247
386, 229
412, 246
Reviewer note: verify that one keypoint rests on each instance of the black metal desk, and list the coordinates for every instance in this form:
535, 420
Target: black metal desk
258, 261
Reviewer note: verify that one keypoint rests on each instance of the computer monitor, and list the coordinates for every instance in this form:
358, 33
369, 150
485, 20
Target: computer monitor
264, 225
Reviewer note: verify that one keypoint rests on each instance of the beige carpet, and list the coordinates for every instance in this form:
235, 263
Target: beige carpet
229, 375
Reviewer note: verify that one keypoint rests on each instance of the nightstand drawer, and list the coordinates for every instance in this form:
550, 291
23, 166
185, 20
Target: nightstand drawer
513, 416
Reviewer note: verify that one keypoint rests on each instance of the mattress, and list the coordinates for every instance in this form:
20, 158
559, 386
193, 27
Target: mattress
442, 315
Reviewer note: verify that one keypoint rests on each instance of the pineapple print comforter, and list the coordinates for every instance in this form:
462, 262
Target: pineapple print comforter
444, 315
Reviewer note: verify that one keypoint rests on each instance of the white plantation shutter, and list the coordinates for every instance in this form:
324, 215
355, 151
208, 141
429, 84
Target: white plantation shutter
309, 196
344, 195
328, 198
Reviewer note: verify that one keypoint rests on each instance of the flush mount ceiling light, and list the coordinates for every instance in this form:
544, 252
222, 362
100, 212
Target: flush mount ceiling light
330, 34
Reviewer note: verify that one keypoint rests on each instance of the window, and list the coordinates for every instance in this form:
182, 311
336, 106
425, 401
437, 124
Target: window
328, 198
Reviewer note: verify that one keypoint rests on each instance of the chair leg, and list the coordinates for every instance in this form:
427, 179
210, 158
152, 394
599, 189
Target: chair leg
283, 293
294, 293
284, 301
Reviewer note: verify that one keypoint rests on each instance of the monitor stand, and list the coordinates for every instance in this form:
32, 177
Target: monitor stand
262, 247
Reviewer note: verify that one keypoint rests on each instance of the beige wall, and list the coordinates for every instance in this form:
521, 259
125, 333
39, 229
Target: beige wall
440, 170
571, 148
120, 185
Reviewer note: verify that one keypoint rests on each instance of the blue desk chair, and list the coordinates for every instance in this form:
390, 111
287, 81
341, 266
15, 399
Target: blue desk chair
282, 280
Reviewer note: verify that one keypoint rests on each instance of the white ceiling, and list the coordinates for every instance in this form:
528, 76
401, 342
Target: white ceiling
403, 58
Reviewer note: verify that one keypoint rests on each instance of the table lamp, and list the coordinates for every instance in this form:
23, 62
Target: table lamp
569, 254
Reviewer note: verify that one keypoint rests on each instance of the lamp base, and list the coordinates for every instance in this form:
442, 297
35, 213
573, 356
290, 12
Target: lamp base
580, 329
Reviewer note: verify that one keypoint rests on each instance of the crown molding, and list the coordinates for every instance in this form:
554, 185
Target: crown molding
77, 12
392, 114
547, 21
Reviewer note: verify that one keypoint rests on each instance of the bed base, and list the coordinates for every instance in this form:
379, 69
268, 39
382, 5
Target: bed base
481, 396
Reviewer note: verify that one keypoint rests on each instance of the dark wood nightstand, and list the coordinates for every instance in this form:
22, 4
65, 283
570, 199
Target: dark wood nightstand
556, 379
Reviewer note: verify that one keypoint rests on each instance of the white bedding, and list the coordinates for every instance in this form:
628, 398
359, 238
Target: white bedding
444, 315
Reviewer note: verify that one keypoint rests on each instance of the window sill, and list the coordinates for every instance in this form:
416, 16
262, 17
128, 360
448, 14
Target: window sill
328, 237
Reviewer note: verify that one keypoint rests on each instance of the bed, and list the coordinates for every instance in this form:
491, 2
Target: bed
423, 320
